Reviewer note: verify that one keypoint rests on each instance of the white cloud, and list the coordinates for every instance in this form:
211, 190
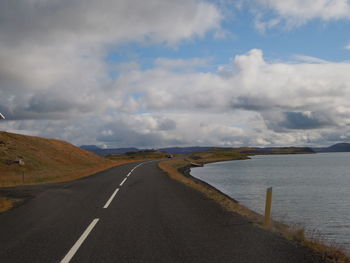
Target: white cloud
298, 12
347, 47
52, 52
281, 102
262, 25
308, 59
54, 81
258, 103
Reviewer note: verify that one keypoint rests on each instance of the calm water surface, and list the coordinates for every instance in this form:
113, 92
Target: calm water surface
312, 189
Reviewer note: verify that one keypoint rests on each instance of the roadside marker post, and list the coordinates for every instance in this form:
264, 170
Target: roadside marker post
21, 165
267, 220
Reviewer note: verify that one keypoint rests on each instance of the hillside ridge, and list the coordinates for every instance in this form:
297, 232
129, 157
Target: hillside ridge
29, 160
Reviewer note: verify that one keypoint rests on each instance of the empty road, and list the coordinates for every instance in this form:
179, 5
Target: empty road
134, 213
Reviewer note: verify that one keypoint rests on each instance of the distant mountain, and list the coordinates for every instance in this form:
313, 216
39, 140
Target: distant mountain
172, 150
184, 150
104, 152
277, 150
339, 147
90, 147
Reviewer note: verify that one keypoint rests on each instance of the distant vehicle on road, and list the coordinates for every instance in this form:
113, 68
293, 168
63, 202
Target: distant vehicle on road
170, 156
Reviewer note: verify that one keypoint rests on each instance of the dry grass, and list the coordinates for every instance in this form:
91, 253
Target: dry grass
45, 160
50, 160
332, 253
5, 204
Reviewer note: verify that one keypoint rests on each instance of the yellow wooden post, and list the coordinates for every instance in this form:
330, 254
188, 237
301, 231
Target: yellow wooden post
267, 221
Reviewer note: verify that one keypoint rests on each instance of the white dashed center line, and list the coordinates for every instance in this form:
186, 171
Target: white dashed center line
121, 184
82, 238
111, 198
79, 242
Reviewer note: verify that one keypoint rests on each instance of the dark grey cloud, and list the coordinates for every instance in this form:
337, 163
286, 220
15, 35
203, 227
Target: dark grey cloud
120, 135
48, 104
86, 21
166, 124
281, 121
252, 103
304, 121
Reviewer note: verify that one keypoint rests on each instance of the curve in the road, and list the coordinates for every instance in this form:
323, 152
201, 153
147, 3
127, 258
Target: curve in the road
151, 218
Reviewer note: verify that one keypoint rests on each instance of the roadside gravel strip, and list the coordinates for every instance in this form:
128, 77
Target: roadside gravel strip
134, 213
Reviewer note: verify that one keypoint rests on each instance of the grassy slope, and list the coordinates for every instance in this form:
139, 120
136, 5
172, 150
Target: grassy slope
46, 160
174, 167
49, 160
5, 204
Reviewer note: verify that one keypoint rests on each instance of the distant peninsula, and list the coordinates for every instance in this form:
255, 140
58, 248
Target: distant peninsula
194, 149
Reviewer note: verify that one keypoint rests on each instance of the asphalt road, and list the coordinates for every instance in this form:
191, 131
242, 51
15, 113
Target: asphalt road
149, 218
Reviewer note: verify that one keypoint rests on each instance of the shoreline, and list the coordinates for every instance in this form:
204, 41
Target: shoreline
253, 215
226, 201
297, 235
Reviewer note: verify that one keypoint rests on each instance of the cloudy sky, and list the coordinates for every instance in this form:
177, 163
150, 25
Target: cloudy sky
159, 73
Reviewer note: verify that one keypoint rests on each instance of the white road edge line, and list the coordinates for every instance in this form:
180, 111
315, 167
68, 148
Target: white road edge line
79, 242
111, 198
121, 184
128, 174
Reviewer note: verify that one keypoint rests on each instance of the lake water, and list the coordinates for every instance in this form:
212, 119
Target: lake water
312, 190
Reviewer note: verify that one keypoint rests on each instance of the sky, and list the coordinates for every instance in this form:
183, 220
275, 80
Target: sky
162, 73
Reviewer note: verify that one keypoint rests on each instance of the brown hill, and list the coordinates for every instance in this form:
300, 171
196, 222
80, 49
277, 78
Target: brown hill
38, 160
